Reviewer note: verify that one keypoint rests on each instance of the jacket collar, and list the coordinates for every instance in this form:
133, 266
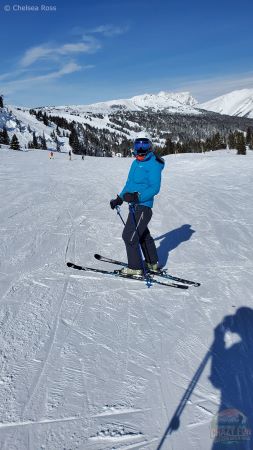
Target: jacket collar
147, 157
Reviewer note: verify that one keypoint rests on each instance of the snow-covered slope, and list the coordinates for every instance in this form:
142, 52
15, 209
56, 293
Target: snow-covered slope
20, 122
90, 362
175, 102
236, 103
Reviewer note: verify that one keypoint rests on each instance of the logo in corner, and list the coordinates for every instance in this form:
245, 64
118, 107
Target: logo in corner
230, 426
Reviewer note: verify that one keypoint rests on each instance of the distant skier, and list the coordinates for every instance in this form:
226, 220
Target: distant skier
70, 154
143, 183
82, 157
51, 155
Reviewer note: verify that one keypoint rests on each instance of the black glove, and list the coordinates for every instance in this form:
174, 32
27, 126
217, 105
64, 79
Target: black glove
116, 202
131, 197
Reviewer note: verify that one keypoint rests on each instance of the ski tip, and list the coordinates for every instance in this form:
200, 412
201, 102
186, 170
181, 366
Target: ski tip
97, 256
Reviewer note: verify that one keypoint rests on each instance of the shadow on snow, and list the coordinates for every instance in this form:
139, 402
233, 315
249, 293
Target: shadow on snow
171, 240
232, 374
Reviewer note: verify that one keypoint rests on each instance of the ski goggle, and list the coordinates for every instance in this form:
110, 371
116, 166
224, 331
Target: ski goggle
142, 146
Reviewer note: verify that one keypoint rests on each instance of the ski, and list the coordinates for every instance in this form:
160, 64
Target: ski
115, 273
162, 273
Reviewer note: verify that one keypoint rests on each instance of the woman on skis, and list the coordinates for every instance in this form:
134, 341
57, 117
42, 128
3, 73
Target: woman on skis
143, 183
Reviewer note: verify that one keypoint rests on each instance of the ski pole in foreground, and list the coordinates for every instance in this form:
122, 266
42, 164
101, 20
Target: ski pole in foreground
175, 421
119, 214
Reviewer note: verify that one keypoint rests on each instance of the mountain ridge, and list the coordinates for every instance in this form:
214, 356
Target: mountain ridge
236, 103
182, 102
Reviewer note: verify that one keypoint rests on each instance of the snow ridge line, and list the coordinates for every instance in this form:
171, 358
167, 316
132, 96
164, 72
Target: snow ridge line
39, 422
56, 325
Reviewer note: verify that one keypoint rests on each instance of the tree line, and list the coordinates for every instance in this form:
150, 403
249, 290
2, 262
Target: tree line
235, 140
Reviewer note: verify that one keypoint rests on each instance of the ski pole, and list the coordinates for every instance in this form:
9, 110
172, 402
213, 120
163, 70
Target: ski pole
131, 209
175, 421
118, 212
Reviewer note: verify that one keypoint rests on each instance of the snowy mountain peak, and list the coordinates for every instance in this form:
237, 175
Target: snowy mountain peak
164, 100
175, 102
235, 103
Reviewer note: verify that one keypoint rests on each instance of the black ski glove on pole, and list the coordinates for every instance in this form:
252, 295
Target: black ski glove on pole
131, 197
116, 202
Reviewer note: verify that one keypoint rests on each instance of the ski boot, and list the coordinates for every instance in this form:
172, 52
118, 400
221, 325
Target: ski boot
153, 268
134, 273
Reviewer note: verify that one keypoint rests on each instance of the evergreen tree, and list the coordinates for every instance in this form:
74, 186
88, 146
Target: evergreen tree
4, 137
45, 119
124, 147
178, 148
15, 143
43, 142
208, 144
39, 116
74, 141
249, 136
1, 101
58, 144
231, 140
35, 143
240, 144
218, 142
19, 124
169, 147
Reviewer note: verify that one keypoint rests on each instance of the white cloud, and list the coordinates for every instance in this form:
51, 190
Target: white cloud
80, 47
58, 64
65, 70
9, 75
35, 54
110, 30
18, 85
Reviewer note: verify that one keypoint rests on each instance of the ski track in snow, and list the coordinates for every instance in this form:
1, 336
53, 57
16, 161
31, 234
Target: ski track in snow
92, 363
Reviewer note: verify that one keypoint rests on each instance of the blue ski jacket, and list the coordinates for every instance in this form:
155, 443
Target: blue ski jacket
145, 178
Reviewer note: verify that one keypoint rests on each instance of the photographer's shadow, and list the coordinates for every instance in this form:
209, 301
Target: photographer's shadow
232, 374
171, 240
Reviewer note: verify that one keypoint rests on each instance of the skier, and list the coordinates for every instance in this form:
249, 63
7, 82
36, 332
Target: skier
69, 155
143, 183
51, 155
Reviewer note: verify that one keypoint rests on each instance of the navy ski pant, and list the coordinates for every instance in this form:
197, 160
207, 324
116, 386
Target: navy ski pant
132, 237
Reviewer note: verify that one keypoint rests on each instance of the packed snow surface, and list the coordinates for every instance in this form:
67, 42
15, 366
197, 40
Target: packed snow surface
90, 362
236, 103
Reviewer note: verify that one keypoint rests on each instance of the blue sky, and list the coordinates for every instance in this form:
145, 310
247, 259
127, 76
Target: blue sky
95, 50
